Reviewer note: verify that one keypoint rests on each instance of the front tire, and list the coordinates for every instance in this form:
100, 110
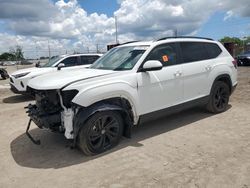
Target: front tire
101, 132
219, 97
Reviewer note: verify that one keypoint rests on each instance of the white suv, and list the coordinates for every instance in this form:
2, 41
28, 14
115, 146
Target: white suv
20, 78
132, 83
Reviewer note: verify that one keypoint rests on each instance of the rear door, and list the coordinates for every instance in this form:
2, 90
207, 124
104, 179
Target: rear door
197, 65
163, 88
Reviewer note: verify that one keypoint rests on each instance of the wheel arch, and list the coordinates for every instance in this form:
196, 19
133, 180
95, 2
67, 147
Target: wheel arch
226, 79
119, 104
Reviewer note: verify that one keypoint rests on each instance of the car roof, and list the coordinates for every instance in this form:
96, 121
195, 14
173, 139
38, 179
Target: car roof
84, 54
170, 39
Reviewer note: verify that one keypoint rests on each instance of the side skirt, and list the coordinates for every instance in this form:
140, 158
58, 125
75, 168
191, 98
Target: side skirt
173, 109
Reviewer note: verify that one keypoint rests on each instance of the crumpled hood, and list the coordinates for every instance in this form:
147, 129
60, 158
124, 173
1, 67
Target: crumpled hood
59, 79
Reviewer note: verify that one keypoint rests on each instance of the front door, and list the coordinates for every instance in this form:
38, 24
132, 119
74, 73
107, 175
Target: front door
163, 88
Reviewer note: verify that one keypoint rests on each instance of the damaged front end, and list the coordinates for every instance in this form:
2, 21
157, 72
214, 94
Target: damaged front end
53, 110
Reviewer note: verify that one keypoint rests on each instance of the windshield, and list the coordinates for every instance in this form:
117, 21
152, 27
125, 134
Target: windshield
120, 58
52, 61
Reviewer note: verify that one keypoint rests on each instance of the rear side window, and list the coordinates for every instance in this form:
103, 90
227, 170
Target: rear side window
85, 60
165, 53
213, 50
70, 61
193, 51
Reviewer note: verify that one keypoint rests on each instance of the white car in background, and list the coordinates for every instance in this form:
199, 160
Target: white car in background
20, 78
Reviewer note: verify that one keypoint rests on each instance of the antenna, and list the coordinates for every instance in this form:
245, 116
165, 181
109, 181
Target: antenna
116, 34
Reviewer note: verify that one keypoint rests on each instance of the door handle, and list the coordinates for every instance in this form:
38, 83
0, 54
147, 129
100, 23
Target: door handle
178, 73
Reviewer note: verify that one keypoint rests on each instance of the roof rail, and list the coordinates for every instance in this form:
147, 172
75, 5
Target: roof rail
129, 42
183, 37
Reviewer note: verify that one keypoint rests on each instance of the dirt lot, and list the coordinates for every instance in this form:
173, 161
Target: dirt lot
189, 149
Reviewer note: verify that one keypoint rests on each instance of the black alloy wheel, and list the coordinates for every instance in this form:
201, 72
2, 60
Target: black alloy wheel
101, 132
219, 97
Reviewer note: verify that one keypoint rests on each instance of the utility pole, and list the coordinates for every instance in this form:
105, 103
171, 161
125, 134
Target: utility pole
97, 48
116, 33
49, 49
36, 49
243, 41
16, 54
175, 33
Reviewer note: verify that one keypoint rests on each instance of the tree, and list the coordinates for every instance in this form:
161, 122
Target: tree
17, 52
235, 40
241, 44
7, 56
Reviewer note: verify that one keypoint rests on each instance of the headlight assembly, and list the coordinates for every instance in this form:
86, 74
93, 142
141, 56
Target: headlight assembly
67, 97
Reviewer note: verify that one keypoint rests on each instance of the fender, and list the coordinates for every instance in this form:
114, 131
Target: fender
85, 113
102, 91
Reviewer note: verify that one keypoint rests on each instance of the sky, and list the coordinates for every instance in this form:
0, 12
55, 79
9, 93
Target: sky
67, 26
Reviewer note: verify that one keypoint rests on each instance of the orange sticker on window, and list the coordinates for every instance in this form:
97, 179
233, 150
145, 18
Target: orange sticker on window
165, 58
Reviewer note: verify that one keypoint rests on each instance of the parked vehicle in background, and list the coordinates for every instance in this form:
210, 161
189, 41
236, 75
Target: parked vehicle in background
130, 84
25, 62
244, 58
20, 78
9, 63
4, 74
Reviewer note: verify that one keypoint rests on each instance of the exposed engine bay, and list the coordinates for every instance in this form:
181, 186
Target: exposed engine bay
53, 110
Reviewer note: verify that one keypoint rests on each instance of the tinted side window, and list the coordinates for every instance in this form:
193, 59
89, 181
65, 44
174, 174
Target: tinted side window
166, 54
193, 51
85, 60
70, 61
213, 50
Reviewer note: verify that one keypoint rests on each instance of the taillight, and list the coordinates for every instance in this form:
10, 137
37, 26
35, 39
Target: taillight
235, 63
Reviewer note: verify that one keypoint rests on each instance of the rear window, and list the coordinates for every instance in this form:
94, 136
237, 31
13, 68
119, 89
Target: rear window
85, 60
198, 51
193, 51
213, 50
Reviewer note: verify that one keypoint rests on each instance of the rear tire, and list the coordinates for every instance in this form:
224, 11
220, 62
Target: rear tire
101, 132
219, 97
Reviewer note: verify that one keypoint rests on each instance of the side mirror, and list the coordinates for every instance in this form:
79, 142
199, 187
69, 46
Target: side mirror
61, 65
38, 64
151, 65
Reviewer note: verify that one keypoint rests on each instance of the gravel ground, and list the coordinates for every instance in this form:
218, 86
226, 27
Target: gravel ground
189, 149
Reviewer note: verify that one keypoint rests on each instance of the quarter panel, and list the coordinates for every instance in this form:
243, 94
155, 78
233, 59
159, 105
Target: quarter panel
220, 69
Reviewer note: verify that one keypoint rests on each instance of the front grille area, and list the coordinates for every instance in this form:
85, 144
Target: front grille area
47, 110
47, 101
